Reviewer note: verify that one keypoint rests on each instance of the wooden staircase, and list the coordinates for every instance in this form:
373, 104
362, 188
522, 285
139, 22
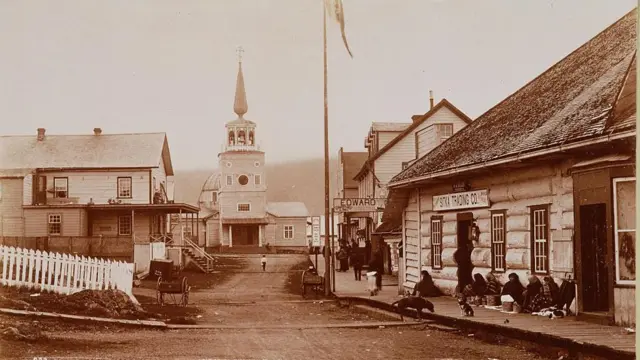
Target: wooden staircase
198, 256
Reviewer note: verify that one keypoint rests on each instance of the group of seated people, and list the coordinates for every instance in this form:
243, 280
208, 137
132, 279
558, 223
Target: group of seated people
535, 296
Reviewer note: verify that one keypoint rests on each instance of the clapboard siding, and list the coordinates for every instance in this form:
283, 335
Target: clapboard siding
100, 186
514, 191
389, 163
11, 215
299, 232
384, 137
160, 175
106, 224
427, 138
36, 221
213, 232
625, 306
229, 204
411, 242
27, 190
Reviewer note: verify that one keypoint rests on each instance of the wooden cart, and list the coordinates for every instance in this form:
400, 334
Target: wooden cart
173, 288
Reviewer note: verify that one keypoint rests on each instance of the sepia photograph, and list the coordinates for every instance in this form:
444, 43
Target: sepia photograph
318, 179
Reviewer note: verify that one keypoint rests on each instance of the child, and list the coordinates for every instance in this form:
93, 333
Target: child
264, 262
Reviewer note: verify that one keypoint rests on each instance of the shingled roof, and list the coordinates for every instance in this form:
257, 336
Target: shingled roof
287, 209
570, 101
85, 151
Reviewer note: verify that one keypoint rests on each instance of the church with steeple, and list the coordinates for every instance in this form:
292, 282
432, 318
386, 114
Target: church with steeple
234, 207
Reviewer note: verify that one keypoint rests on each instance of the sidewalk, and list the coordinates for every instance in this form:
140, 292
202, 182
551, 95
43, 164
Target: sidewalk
568, 332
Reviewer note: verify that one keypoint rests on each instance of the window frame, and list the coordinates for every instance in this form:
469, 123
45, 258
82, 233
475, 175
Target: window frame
248, 207
436, 219
49, 223
214, 197
229, 180
257, 179
55, 192
405, 165
119, 187
495, 244
120, 233
439, 135
284, 232
532, 233
616, 231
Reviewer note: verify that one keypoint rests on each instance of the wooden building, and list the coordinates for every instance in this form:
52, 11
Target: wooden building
392, 147
233, 200
97, 194
349, 163
542, 183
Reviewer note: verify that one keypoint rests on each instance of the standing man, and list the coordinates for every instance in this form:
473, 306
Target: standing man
356, 262
263, 261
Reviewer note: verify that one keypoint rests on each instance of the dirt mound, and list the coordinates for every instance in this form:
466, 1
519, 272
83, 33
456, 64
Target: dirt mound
24, 332
101, 303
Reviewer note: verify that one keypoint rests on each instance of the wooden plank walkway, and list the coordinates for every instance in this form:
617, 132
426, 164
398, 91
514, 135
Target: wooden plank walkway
447, 311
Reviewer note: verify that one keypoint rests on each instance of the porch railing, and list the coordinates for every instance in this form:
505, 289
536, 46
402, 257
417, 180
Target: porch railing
199, 251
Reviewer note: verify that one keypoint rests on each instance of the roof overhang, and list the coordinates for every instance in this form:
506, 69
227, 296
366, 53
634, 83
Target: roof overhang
164, 208
245, 221
539, 153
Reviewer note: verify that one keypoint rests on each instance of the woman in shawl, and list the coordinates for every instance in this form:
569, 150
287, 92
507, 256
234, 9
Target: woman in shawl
534, 288
493, 286
425, 287
479, 286
547, 297
514, 288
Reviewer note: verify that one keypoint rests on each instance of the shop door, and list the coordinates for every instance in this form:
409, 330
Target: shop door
595, 284
463, 253
245, 235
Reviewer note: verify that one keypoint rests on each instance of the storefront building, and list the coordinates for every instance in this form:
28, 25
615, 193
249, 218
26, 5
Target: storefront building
541, 184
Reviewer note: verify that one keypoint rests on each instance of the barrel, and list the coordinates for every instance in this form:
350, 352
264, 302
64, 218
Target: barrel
507, 306
493, 300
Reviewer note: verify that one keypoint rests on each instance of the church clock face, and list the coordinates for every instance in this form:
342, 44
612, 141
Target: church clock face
243, 179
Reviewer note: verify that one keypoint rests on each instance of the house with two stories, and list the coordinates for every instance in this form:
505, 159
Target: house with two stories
542, 184
349, 163
91, 194
392, 151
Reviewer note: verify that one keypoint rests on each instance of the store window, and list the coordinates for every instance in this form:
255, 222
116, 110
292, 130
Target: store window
436, 242
624, 199
540, 239
498, 243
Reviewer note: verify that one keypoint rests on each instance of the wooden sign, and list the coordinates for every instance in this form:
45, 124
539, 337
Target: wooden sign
463, 200
358, 205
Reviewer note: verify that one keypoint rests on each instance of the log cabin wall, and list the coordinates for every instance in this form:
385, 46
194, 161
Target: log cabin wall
513, 191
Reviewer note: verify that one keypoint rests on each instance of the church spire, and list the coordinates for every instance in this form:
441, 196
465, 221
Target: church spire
240, 106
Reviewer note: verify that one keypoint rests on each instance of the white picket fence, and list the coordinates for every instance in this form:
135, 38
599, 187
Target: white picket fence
62, 273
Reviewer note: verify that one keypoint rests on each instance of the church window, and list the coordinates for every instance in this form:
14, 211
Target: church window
257, 179
232, 137
251, 137
243, 179
244, 207
214, 197
288, 231
241, 137
229, 180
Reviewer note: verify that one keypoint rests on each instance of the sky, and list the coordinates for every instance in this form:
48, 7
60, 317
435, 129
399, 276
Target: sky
170, 66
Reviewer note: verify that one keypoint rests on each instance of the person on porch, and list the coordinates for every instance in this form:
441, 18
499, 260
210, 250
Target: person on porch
425, 287
514, 288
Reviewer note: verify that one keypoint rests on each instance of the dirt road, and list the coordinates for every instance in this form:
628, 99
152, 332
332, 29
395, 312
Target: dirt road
250, 296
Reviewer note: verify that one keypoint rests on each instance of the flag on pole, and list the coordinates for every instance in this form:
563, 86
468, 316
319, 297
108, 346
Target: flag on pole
336, 11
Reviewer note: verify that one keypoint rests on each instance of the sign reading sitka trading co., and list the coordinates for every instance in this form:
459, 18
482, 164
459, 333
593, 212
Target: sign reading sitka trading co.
462, 200
358, 204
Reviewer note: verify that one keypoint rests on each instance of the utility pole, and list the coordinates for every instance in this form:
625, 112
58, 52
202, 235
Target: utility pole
327, 249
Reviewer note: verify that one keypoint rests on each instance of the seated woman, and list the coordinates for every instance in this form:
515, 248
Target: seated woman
493, 286
425, 287
547, 297
534, 288
479, 286
514, 288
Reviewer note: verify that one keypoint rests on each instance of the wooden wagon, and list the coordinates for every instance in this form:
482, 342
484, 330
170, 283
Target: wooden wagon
312, 280
173, 288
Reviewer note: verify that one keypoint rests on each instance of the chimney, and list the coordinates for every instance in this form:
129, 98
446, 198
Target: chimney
41, 134
430, 99
415, 118
97, 131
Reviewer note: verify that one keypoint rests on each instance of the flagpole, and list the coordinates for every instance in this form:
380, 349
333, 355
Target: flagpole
327, 255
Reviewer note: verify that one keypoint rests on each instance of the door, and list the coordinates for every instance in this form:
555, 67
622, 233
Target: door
463, 253
245, 235
593, 232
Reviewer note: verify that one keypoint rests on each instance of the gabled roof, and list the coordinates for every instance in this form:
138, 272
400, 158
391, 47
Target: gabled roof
287, 209
389, 126
624, 112
417, 120
352, 162
144, 150
568, 102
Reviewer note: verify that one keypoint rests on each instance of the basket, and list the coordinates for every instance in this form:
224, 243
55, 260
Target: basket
477, 300
507, 306
492, 300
